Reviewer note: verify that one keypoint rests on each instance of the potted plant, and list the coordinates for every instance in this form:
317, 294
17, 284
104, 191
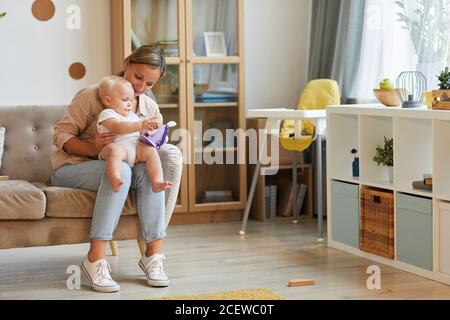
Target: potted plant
441, 97
385, 156
2, 14
444, 79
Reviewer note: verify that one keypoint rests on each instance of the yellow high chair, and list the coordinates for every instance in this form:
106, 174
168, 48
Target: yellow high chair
298, 135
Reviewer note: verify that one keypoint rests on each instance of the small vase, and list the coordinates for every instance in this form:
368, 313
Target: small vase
390, 170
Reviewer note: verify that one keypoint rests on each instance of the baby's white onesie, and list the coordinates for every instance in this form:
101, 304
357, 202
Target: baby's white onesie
130, 140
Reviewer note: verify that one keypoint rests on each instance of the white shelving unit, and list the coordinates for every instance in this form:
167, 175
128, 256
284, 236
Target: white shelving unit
421, 145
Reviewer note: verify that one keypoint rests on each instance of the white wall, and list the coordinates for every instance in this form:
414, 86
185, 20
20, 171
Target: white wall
276, 51
35, 55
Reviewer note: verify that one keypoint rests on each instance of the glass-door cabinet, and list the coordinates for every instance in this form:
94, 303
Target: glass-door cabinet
202, 91
214, 51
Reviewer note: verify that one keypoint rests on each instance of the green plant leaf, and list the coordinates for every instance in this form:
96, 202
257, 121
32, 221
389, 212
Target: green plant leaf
385, 155
444, 79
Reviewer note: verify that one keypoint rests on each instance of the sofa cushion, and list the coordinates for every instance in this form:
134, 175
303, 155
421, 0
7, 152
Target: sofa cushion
76, 203
21, 200
28, 140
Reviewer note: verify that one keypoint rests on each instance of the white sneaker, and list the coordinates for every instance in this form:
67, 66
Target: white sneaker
98, 274
153, 268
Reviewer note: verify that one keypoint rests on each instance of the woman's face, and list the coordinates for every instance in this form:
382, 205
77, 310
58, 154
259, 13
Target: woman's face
141, 76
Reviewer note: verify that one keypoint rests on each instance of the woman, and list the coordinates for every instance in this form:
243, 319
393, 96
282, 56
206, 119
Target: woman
78, 144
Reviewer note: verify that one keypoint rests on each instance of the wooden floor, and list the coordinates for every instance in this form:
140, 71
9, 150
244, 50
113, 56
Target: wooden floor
212, 258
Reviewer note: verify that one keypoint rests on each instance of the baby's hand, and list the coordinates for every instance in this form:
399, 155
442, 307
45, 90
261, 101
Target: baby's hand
152, 123
149, 125
152, 126
155, 123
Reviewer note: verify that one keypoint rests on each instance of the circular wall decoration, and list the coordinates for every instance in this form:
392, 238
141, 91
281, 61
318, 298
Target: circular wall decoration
77, 70
43, 10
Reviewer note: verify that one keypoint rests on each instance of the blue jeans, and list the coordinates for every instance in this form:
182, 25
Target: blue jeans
90, 175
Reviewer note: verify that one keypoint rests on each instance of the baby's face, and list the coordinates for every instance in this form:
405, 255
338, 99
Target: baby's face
121, 98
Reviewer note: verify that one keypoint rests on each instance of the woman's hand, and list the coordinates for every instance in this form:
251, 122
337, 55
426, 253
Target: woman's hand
103, 139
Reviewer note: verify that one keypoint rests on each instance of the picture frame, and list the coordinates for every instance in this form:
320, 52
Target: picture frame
215, 44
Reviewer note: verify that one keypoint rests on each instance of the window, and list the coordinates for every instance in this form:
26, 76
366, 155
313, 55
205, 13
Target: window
403, 35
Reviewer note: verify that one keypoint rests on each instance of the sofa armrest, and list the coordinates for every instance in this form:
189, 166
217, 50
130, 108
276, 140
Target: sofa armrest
172, 164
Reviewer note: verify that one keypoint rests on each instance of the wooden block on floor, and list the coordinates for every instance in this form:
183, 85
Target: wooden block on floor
301, 282
4, 178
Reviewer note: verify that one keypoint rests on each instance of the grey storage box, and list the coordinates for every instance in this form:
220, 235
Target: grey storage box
415, 230
345, 208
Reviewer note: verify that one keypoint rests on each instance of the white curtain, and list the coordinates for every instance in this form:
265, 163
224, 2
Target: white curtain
154, 20
402, 35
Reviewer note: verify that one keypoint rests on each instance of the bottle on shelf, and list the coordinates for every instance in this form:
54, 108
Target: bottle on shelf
355, 167
355, 164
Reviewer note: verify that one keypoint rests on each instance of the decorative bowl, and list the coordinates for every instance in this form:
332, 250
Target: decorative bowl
388, 97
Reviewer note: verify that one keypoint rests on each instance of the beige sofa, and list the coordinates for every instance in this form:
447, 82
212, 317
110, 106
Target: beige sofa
35, 214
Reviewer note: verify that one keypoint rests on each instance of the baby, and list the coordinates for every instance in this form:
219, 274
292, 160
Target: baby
117, 95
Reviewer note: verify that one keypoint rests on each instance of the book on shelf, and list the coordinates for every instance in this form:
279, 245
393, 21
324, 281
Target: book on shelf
167, 43
216, 97
271, 201
420, 185
218, 195
168, 47
170, 52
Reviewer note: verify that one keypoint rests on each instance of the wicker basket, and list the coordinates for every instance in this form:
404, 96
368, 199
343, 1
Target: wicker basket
377, 222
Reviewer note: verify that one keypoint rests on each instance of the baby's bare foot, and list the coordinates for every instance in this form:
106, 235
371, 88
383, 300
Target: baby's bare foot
117, 183
161, 186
